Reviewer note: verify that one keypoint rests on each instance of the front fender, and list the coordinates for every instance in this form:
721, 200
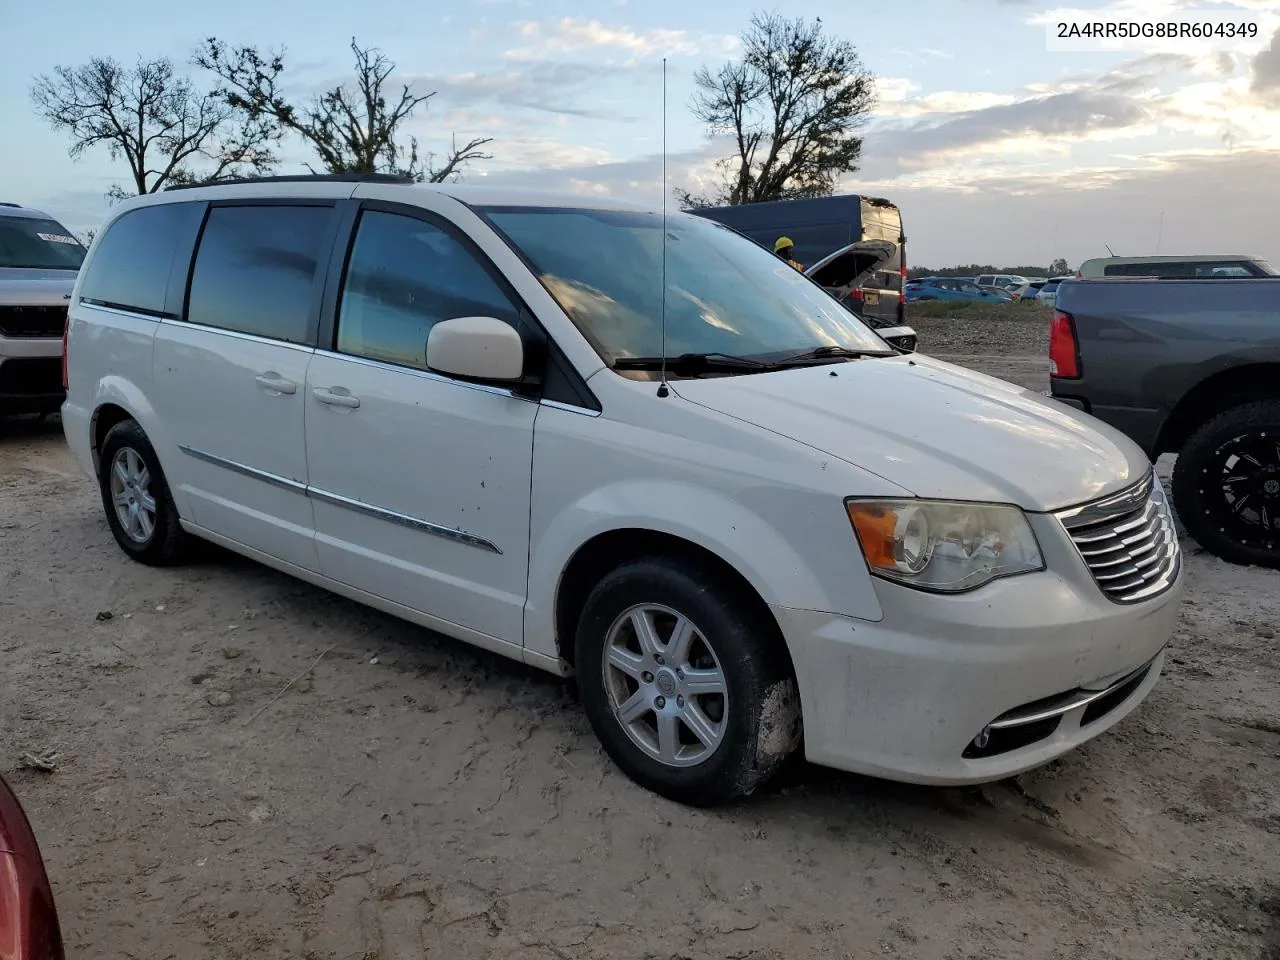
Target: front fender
830, 575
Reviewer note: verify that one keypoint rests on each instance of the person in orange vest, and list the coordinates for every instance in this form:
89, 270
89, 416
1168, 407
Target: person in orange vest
784, 248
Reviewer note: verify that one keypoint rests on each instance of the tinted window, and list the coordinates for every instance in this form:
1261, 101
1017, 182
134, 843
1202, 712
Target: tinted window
130, 267
255, 270
406, 275
25, 242
1223, 270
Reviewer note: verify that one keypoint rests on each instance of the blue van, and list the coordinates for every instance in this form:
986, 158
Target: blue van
822, 226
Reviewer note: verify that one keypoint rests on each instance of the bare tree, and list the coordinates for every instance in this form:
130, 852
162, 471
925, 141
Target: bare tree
352, 128
790, 107
164, 128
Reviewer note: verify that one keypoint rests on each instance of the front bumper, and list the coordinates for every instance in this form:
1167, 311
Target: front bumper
30, 374
906, 697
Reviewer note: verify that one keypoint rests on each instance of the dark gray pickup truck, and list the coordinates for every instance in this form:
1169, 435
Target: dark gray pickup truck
1190, 367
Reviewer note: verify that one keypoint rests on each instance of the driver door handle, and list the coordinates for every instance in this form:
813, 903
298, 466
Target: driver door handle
274, 383
335, 399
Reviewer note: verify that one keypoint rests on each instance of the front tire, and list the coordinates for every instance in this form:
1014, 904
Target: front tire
1226, 484
688, 691
136, 498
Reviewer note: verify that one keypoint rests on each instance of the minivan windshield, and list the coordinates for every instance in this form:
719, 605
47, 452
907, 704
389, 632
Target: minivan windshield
42, 244
726, 296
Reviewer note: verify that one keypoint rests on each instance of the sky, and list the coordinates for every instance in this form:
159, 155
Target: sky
996, 149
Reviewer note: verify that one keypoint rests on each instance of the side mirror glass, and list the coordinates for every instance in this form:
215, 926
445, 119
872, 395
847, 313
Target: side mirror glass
479, 348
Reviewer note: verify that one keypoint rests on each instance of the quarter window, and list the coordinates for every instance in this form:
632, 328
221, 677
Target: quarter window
255, 270
405, 275
130, 268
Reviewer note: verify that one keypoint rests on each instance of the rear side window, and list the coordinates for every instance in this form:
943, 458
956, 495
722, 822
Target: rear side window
405, 276
255, 269
130, 268
1235, 269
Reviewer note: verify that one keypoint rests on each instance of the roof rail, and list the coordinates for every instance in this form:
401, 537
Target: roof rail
5, 203
300, 178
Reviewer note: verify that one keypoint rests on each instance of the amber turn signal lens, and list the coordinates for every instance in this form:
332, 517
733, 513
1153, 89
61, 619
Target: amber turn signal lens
875, 525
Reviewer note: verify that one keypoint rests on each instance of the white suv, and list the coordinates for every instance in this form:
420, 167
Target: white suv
736, 513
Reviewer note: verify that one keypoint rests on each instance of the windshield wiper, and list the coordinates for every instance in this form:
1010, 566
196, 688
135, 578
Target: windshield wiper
829, 352
692, 364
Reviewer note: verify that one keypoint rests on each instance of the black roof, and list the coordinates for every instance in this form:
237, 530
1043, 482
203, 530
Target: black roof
301, 178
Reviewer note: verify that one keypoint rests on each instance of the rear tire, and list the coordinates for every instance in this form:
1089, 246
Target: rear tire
1226, 484
140, 510
690, 694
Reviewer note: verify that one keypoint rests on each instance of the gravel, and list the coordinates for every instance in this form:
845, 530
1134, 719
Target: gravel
411, 797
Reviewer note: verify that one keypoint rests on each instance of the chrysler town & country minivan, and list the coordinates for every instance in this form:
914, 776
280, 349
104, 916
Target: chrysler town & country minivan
742, 520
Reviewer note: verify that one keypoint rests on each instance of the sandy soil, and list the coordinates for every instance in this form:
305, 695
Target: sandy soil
410, 797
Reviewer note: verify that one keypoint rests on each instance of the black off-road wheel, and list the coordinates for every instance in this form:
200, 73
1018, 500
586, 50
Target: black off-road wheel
136, 498
1226, 484
690, 693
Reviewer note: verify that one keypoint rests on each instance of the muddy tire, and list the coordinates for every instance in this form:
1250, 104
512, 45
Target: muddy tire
690, 694
1226, 484
135, 496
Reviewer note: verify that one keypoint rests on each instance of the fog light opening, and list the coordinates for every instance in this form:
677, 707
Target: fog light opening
982, 739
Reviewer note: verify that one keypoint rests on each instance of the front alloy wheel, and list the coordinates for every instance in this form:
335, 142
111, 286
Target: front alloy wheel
665, 685
686, 679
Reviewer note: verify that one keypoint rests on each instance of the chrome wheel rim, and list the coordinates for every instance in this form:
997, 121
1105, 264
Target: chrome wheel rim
135, 507
665, 685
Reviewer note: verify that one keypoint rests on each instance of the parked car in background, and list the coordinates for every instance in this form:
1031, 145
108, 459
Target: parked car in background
1023, 287
741, 518
994, 279
822, 225
29, 928
1048, 292
1190, 367
1204, 267
38, 262
952, 288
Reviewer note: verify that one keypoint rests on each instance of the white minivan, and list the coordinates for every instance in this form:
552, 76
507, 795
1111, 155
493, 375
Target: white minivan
744, 522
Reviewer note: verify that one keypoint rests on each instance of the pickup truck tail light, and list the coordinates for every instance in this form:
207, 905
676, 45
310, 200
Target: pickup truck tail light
902, 287
1064, 350
856, 294
66, 327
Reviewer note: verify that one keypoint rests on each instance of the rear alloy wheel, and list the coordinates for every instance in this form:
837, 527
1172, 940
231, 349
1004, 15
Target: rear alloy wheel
135, 496
689, 692
1226, 485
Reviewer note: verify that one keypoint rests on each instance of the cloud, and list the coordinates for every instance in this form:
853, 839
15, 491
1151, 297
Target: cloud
1266, 71
1034, 123
1078, 209
570, 36
547, 86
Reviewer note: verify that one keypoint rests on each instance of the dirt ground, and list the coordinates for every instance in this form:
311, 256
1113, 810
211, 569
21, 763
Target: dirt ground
409, 797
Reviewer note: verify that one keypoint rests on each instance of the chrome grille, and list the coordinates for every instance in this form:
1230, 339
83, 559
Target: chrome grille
1128, 541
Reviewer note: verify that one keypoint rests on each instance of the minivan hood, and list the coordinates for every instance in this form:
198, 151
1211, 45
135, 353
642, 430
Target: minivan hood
935, 429
849, 266
35, 286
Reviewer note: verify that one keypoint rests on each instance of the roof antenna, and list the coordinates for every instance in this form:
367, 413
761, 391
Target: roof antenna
662, 386
1109, 250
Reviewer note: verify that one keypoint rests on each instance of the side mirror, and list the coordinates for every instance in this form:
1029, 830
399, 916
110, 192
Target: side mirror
480, 348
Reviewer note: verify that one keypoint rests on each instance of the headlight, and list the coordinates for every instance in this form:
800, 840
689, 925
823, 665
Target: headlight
944, 546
